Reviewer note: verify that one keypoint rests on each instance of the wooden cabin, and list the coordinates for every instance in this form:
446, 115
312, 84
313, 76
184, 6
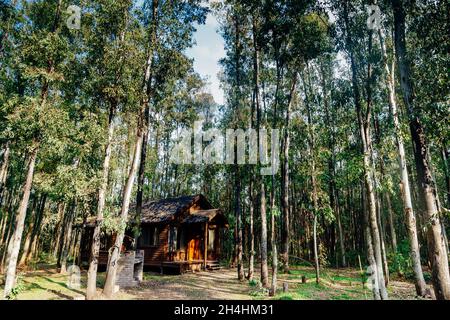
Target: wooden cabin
183, 233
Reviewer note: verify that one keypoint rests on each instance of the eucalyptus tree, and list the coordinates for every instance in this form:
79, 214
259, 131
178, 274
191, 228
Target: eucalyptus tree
110, 37
175, 20
351, 31
437, 251
43, 47
10, 85
389, 73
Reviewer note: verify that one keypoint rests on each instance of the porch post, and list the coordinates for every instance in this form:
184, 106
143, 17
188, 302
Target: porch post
205, 241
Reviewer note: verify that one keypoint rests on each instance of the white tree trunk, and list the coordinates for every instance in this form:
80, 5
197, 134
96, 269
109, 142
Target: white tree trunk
405, 188
91, 289
4, 170
14, 244
110, 282
428, 204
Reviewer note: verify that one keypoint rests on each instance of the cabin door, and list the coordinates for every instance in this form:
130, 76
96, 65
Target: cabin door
194, 249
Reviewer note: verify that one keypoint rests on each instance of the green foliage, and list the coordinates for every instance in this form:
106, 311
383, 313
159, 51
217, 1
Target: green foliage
253, 283
400, 261
17, 289
275, 211
286, 297
112, 224
259, 292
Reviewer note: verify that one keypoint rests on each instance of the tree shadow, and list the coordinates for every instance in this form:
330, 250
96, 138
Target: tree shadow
62, 284
33, 285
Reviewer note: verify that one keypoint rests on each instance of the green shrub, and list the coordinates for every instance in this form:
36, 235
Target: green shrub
427, 276
286, 297
253, 283
400, 261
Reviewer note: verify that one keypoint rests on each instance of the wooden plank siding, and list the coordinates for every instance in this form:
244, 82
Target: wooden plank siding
154, 255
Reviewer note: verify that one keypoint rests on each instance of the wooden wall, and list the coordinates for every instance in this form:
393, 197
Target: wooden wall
153, 255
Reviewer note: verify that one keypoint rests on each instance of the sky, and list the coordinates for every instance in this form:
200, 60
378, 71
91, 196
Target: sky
207, 52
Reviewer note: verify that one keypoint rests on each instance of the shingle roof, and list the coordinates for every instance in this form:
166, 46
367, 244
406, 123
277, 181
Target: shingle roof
201, 216
165, 210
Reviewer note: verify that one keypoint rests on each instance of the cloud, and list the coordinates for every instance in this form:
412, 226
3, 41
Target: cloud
207, 52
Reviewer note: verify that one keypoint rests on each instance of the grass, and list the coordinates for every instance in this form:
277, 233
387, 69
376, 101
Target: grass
44, 282
313, 291
336, 284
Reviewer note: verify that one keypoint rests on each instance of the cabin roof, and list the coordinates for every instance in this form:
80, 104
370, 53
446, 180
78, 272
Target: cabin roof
164, 210
201, 216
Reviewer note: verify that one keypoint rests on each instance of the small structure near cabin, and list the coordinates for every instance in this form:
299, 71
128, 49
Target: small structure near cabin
182, 234
131, 269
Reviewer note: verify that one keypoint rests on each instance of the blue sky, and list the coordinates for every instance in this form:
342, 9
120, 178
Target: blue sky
207, 52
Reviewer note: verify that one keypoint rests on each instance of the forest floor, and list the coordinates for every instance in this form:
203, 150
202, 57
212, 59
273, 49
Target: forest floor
45, 283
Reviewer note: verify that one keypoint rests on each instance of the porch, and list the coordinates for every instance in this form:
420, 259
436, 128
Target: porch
186, 265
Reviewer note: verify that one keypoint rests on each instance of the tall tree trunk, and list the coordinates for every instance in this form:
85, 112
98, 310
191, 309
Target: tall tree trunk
14, 244
35, 235
264, 268
285, 190
427, 193
238, 212
110, 282
34, 225
262, 193
364, 128
142, 129
8, 226
67, 237
37, 228
273, 241
405, 189
341, 232
382, 238
91, 289
251, 261
374, 283
59, 228
334, 194
237, 117
369, 182
315, 200
4, 170
445, 157
391, 222
312, 159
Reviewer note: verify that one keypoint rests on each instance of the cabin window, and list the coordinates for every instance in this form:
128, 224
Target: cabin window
211, 238
155, 238
149, 236
181, 239
173, 237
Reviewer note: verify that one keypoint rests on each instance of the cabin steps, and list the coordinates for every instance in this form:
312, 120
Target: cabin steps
213, 265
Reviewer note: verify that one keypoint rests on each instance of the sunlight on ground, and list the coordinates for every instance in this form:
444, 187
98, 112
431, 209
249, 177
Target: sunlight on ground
343, 284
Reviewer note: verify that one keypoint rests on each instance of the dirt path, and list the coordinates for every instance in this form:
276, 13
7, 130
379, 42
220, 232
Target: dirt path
336, 284
215, 285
